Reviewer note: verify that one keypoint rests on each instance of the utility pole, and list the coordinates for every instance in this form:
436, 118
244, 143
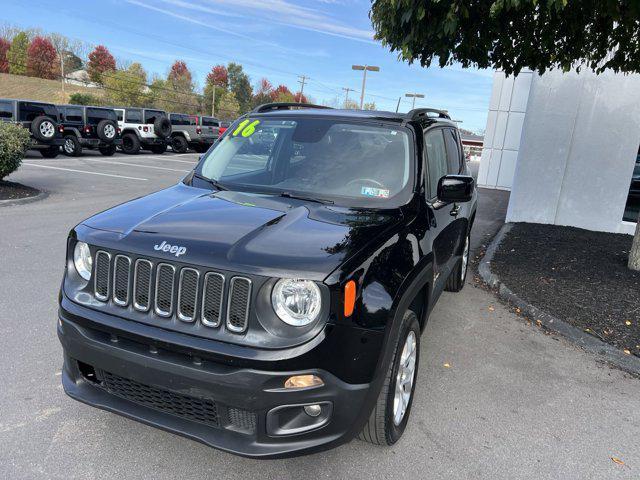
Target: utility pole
414, 96
365, 69
398, 105
62, 55
303, 79
346, 95
213, 101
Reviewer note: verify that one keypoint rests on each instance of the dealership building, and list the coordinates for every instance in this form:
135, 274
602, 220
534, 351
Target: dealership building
566, 145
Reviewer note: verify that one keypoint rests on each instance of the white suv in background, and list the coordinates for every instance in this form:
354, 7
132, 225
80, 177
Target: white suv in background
143, 128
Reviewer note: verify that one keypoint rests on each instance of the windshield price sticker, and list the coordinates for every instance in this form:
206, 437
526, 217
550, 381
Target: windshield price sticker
375, 192
246, 128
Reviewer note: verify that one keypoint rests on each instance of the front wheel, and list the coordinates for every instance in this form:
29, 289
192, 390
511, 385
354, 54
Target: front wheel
456, 279
391, 413
130, 143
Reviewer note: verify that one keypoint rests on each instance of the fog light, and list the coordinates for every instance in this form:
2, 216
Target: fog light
303, 381
313, 410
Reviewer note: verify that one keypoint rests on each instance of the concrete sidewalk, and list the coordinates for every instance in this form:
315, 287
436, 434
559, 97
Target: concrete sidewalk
513, 403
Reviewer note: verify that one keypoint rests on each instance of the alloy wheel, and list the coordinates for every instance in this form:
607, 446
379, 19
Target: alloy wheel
405, 378
47, 130
465, 259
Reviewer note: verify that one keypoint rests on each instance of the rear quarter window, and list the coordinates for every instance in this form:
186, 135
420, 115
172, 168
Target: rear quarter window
29, 111
150, 116
6, 111
209, 122
96, 115
71, 114
133, 116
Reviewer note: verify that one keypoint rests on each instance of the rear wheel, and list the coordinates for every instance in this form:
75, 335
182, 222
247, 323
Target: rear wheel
391, 413
456, 279
51, 152
108, 150
159, 149
71, 146
179, 144
130, 143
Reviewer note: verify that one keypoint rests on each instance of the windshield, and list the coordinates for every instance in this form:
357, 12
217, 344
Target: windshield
354, 164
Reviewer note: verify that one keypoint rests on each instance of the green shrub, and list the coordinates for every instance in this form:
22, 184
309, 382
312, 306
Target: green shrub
14, 141
84, 99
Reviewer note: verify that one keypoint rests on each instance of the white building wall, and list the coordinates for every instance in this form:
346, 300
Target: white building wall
578, 147
507, 109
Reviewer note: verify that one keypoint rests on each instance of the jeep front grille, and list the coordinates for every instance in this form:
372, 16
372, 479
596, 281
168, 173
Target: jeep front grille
187, 293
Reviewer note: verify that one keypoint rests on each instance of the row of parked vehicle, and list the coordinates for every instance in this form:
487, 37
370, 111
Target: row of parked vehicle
72, 128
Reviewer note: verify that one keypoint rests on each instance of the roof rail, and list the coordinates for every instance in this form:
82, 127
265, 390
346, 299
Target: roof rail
417, 113
267, 107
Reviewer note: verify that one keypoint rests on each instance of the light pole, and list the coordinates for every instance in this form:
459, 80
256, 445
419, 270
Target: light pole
365, 69
346, 95
414, 96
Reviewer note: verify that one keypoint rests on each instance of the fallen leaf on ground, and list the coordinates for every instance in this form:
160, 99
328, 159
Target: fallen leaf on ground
627, 323
627, 352
518, 310
446, 365
491, 308
617, 460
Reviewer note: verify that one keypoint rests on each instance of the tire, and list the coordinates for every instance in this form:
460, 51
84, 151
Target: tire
162, 127
386, 425
44, 128
107, 130
159, 149
51, 152
107, 150
179, 144
71, 146
130, 144
457, 277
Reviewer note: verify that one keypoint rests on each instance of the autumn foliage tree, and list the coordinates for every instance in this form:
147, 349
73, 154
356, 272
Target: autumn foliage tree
100, 61
4, 48
219, 76
42, 59
282, 94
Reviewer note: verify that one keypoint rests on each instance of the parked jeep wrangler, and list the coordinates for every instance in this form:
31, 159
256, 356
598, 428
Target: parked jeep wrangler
143, 128
191, 131
89, 127
41, 119
271, 303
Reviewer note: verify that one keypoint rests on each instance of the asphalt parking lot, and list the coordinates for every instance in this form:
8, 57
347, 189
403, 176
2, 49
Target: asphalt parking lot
512, 402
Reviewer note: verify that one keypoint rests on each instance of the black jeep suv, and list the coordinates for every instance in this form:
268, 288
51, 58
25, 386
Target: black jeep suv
89, 127
41, 119
271, 303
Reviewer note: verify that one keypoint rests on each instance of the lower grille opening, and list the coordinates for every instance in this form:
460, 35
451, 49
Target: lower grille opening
200, 410
88, 372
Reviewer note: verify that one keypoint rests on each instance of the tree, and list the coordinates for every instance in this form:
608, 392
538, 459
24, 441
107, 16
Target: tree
369, 106
177, 93
127, 87
350, 104
229, 108
240, 85
42, 59
69, 50
218, 76
515, 34
84, 99
512, 34
4, 48
301, 98
100, 61
17, 54
263, 92
282, 94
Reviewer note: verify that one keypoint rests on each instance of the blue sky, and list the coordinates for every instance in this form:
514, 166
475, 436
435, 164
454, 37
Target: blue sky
276, 39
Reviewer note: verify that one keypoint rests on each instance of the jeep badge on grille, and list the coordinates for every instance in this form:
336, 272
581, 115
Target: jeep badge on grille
175, 249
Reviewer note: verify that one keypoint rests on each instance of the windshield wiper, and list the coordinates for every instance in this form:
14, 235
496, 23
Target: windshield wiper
304, 197
217, 185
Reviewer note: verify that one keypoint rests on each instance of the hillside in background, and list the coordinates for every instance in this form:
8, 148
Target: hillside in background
32, 88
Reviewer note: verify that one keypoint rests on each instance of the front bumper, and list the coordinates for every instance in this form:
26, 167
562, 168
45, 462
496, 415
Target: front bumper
162, 387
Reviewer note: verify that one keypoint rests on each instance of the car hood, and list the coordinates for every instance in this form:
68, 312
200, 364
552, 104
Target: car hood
234, 231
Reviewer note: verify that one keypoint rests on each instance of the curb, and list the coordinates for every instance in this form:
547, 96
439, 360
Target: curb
606, 352
20, 201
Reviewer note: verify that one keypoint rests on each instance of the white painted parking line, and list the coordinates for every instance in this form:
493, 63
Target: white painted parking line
84, 171
142, 157
132, 164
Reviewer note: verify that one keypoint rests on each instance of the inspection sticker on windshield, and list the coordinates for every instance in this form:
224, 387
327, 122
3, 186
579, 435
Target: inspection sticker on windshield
375, 192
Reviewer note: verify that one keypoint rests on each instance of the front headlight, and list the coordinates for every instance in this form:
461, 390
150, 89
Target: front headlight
296, 302
82, 260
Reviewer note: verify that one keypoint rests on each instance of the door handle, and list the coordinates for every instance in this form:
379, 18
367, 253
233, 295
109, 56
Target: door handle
455, 210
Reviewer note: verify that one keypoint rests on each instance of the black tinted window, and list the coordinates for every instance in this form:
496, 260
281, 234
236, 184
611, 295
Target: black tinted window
151, 115
28, 111
436, 159
6, 110
133, 116
209, 122
453, 150
119, 114
95, 115
72, 114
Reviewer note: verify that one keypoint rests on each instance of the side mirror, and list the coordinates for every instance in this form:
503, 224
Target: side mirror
455, 188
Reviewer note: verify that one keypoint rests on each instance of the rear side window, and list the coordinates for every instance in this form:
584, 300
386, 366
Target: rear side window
209, 122
437, 164
120, 115
72, 114
29, 111
96, 115
133, 116
6, 110
151, 115
453, 151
